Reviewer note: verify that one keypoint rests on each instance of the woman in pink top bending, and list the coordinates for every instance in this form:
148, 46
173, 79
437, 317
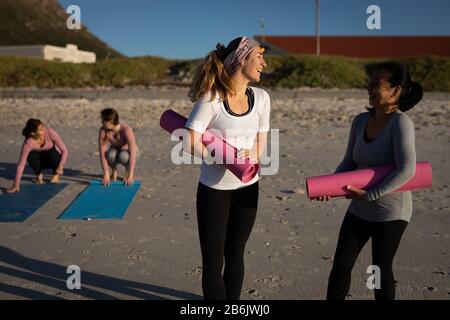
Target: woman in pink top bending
122, 147
43, 148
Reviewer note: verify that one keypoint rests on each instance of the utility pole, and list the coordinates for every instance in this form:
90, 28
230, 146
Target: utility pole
262, 26
318, 27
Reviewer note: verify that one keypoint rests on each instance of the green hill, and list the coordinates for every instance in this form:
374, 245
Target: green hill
24, 22
433, 73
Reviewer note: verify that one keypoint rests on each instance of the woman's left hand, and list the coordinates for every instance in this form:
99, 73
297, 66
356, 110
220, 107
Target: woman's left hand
60, 170
355, 193
128, 180
247, 154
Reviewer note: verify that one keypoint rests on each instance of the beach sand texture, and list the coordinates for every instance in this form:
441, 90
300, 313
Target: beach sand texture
154, 253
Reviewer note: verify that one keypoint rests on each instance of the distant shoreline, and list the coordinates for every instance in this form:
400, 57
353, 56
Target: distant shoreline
180, 93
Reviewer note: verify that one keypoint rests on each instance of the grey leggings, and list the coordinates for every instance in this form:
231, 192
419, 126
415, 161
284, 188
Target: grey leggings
115, 157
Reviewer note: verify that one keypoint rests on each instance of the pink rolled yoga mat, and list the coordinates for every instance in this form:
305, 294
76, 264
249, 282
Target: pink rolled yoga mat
245, 170
334, 185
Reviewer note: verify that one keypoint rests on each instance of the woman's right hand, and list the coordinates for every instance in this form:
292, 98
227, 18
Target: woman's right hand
106, 180
13, 189
323, 198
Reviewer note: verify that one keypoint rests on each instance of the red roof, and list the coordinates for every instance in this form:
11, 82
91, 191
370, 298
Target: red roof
362, 46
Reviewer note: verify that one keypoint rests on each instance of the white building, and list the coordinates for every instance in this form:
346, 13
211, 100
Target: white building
48, 52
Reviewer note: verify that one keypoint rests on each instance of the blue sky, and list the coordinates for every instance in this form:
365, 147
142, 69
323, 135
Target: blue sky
191, 28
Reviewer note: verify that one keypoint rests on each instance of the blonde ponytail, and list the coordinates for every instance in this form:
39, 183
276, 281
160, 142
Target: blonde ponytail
211, 77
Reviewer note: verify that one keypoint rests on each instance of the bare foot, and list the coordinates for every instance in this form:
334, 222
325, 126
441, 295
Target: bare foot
114, 175
55, 179
40, 179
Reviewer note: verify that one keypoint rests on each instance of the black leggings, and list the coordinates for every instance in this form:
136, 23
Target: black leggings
225, 220
48, 159
354, 234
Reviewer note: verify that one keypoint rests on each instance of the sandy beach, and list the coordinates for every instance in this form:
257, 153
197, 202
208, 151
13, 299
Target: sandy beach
154, 253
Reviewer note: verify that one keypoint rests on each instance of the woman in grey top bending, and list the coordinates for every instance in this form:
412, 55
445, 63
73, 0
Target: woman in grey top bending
382, 136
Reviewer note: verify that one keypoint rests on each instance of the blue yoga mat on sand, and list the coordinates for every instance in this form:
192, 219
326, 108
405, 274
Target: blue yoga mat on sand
100, 202
17, 207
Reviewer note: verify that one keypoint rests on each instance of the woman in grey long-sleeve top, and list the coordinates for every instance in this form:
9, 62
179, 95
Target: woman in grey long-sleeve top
382, 136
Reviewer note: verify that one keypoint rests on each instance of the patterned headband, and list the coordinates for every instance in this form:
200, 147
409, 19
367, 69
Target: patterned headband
234, 59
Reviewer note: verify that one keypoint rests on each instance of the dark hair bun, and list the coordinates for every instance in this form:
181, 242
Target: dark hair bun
413, 94
220, 46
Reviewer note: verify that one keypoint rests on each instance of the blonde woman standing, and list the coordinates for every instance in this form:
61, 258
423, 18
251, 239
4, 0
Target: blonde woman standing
226, 207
